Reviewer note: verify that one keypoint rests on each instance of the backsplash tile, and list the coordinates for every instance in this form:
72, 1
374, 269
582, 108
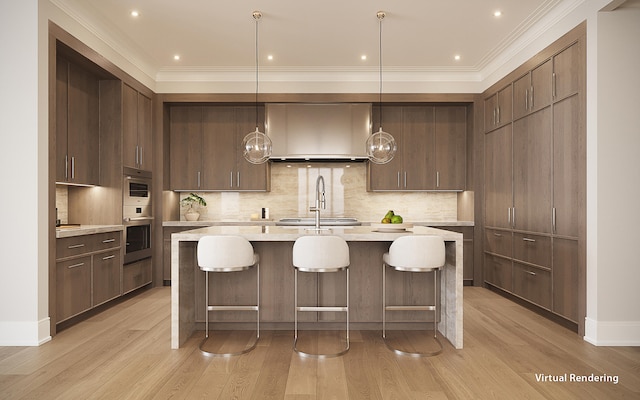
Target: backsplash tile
293, 192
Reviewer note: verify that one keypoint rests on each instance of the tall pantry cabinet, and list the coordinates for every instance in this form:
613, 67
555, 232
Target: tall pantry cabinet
534, 175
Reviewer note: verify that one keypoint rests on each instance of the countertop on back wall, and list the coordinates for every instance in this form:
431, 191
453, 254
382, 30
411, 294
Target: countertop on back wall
200, 224
81, 230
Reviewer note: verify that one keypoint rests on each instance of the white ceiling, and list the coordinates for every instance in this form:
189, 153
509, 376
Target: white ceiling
303, 35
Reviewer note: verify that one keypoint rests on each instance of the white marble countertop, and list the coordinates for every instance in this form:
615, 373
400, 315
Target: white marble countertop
286, 233
81, 230
273, 222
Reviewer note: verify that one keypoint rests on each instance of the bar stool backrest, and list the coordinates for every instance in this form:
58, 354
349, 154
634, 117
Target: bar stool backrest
216, 252
320, 253
417, 251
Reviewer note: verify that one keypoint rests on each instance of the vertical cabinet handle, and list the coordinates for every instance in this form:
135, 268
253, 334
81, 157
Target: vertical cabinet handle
553, 220
531, 102
141, 154
509, 216
526, 99
231, 179
405, 179
513, 217
198, 179
553, 85
137, 162
499, 119
437, 179
398, 179
238, 179
494, 116
66, 167
73, 168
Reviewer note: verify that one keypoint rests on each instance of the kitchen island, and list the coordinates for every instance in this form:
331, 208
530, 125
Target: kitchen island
274, 244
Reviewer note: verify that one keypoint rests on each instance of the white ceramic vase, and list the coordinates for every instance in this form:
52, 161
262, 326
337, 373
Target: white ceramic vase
191, 215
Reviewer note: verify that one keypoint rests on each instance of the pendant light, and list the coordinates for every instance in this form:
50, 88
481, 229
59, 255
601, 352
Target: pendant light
256, 145
381, 146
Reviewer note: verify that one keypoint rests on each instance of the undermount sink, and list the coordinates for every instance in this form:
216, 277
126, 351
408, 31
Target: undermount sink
323, 222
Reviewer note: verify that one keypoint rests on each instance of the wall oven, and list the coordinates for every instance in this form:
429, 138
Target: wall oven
137, 215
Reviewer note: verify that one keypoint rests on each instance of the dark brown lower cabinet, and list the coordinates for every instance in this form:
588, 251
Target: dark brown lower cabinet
497, 271
565, 278
136, 275
106, 276
73, 287
533, 284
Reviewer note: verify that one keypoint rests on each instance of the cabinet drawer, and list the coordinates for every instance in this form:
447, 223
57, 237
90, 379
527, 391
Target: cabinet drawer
498, 242
532, 249
136, 275
533, 284
73, 246
497, 271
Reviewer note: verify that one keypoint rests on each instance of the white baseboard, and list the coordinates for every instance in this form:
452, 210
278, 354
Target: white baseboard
612, 333
25, 333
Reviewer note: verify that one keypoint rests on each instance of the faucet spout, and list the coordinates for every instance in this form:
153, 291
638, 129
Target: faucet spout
320, 200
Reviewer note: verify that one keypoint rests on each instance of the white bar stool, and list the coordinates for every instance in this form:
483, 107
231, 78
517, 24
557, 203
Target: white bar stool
218, 253
419, 253
320, 254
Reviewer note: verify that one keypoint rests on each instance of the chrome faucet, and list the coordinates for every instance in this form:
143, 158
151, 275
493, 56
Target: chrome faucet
320, 200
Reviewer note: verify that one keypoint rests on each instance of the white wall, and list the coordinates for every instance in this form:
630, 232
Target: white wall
23, 170
613, 312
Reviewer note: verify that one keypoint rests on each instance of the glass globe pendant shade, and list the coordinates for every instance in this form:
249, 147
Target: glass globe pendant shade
381, 147
256, 147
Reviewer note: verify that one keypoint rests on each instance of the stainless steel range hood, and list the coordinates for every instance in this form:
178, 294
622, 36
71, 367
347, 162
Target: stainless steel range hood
318, 131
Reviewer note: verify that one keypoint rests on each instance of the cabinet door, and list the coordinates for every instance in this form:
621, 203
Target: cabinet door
532, 172
565, 278
249, 176
451, 147
521, 96
185, 147
73, 287
418, 153
568, 68
129, 126
83, 127
219, 148
106, 276
62, 83
388, 176
505, 106
540, 92
497, 177
568, 162
491, 113
145, 152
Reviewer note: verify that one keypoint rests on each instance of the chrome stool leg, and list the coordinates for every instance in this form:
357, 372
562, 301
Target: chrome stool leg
209, 308
436, 314
319, 308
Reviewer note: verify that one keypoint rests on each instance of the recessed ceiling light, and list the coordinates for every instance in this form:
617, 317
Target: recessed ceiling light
135, 13
176, 57
497, 13
457, 57
363, 57
269, 57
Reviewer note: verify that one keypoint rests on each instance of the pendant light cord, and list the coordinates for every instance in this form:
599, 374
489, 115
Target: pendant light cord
256, 15
380, 18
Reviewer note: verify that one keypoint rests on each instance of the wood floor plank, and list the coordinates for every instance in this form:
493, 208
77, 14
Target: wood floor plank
124, 353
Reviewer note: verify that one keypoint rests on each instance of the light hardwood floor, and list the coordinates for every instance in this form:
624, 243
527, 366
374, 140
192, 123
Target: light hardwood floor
124, 353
